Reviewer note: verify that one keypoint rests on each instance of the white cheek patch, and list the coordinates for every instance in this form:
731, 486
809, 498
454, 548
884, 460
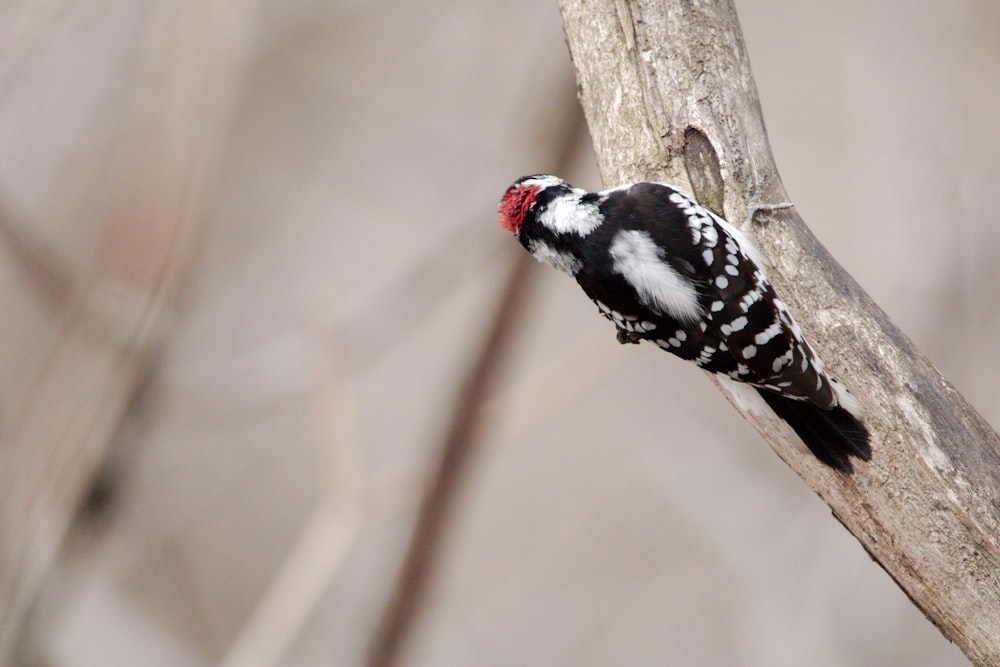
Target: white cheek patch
568, 215
658, 286
563, 261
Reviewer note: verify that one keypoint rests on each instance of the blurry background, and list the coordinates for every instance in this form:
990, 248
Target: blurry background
249, 259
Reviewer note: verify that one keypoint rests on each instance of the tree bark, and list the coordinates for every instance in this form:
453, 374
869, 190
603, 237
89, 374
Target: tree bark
669, 96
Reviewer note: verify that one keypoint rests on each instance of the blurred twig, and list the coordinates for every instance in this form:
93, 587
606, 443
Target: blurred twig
47, 272
330, 531
464, 430
351, 496
69, 396
456, 450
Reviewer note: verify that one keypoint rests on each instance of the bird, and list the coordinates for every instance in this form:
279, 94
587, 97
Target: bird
666, 270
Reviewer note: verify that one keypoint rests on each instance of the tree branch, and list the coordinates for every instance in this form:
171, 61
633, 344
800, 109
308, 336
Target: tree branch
669, 96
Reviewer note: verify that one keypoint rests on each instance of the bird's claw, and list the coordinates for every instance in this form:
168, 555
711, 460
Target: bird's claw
628, 337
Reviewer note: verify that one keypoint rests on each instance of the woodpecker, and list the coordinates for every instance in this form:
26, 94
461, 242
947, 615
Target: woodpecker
666, 270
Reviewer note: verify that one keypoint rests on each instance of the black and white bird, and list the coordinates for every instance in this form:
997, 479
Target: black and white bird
666, 270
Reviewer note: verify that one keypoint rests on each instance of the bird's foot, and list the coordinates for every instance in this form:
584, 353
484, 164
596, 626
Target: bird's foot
628, 337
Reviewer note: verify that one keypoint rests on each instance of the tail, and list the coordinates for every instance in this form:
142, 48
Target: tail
832, 435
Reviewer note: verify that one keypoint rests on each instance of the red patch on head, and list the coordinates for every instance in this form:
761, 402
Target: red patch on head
515, 205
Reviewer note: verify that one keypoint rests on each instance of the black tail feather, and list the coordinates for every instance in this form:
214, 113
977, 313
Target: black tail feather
832, 435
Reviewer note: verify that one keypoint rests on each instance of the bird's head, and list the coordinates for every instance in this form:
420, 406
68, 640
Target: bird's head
522, 199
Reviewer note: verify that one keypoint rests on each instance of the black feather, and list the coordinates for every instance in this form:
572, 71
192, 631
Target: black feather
832, 435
